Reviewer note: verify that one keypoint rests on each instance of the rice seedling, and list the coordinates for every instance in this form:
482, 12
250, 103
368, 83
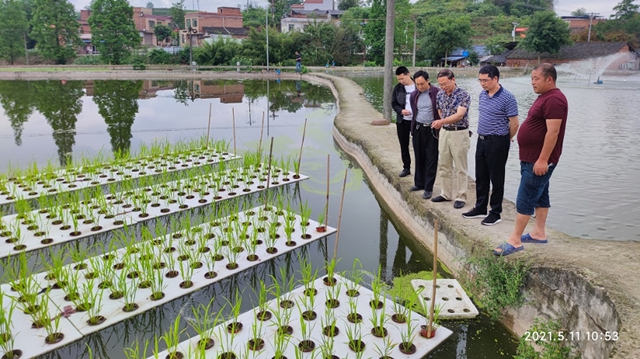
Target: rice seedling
93, 310
7, 338
308, 275
171, 339
331, 296
377, 287
235, 305
227, 341
354, 335
329, 324
386, 347
378, 321
256, 343
355, 277
54, 262
186, 272
330, 267
204, 319
129, 291
69, 280
52, 326
87, 296
134, 352
408, 333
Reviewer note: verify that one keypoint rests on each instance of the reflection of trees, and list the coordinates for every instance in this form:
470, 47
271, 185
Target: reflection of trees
288, 95
118, 104
17, 101
60, 103
184, 92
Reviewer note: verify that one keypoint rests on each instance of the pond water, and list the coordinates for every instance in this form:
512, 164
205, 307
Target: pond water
57, 121
594, 189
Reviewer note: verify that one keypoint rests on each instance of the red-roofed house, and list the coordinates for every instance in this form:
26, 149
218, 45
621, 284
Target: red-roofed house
227, 22
145, 24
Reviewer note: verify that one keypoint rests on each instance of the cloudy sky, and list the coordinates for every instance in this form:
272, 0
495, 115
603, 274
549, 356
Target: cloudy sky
563, 7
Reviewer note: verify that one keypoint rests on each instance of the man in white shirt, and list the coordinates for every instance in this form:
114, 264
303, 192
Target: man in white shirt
402, 107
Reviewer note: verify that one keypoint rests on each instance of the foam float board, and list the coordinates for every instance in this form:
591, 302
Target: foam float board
455, 303
113, 309
125, 215
239, 343
109, 176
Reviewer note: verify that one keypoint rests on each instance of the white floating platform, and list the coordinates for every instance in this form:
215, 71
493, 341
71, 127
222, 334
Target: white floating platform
341, 348
455, 303
146, 168
126, 216
76, 326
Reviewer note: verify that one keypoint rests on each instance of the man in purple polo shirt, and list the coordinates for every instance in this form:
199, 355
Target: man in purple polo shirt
497, 124
540, 140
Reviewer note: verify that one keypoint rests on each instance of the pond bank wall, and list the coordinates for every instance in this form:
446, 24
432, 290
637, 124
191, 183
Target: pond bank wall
588, 285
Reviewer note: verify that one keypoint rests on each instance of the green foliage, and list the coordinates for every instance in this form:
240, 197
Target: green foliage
551, 348
162, 32
13, 27
55, 29
496, 283
254, 16
626, 9
374, 31
546, 33
161, 57
348, 4
579, 12
177, 13
112, 29
88, 60
444, 34
524, 7
220, 52
619, 30
496, 44
16, 98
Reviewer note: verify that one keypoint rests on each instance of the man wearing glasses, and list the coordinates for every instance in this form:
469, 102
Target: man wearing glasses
453, 104
497, 124
425, 138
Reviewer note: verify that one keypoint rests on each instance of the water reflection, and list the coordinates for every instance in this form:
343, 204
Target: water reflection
118, 105
16, 98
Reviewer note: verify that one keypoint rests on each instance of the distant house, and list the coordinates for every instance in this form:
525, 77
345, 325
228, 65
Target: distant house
146, 22
85, 33
460, 57
580, 24
309, 12
207, 26
627, 60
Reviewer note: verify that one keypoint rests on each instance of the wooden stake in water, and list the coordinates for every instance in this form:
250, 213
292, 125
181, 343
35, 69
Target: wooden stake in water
304, 131
209, 125
261, 131
233, 115
435, 275
266, 192
326, 208
344, 186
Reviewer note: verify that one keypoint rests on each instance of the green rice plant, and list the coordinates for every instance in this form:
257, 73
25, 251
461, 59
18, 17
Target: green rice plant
408, 332
386, 348
227, 342
308, 274
355, 276
87, 296
93, 311
280, 344
330, 267
377, 288
54, 262
331, 296
354, 335
134, 352
379, 320
235, 305
22, 207
52, 326
204, 319
129, 290
289, 225
70, 278
168, 257
120, 284
171, 338
256, 343
7, 338
186, 273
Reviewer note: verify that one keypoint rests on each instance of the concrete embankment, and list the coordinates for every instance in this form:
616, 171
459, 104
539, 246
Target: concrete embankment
588, 285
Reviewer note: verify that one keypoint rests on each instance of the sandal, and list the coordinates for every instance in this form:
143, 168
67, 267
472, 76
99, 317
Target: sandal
526, 238
505, 249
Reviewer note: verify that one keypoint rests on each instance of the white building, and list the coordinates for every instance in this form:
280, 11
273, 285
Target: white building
309, 12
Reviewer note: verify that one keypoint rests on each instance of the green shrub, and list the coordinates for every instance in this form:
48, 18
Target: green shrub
370, 64
160, 57
88, 60
553, 347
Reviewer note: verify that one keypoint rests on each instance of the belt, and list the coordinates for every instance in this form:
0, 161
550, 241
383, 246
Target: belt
491, 137
418, 125
455, 128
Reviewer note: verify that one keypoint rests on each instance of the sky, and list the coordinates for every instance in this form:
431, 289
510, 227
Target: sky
562, 7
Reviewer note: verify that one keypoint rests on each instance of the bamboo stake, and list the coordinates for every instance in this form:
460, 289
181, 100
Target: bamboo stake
326, 208
261, 131
209, 125
344, 186
233, 114
304, 131
435, 275
266, 193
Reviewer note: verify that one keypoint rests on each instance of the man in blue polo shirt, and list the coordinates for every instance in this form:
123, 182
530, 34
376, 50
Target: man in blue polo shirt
497, 124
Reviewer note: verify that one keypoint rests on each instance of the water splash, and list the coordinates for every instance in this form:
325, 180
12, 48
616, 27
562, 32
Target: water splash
592, 68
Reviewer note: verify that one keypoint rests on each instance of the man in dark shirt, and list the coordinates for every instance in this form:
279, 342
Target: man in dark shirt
402, 107
540, 140
298, 62
425, 139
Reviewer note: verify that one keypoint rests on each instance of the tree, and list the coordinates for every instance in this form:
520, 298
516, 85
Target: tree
55, 28
113, 30
625, 10
162, 32
444, 34
253, 16
16, 98
496, 44
546, 33
177, 13
374, 31
13, 27
348, 4
149, 5
579, 12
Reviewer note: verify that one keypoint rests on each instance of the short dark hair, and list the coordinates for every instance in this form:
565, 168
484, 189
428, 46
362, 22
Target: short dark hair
446, 73
490, 70
547, 70
401, 70
421, 73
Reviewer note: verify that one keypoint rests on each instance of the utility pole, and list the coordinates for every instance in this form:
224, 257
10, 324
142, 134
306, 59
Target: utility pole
26, 51
591, 16
415, 25
266, 20
388, 59
513, 32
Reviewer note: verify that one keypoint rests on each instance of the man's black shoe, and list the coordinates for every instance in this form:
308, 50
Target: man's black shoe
439, 199
475, 213
458, 204
405, 172
426, 194
414, 188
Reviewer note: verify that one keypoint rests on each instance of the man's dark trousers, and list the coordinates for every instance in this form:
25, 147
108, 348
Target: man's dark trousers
491, 158
404, 132
425, 148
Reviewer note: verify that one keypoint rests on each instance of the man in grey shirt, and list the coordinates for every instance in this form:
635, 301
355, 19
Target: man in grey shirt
425, 139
